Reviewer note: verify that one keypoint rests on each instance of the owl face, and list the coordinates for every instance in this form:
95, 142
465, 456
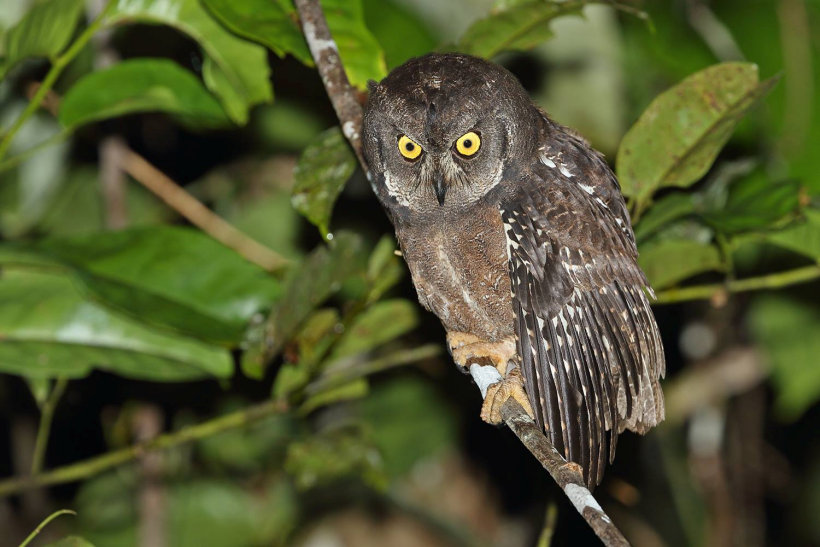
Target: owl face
440, 130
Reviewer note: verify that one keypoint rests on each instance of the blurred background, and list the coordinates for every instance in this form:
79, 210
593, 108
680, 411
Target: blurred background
121, 320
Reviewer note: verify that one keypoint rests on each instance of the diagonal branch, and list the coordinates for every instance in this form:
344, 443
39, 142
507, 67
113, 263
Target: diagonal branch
343, 97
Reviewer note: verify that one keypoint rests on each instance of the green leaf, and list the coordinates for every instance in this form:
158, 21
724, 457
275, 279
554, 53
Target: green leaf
177, 277
679, 135
71, 541
141, 85
338, 454
271, 23
787, 330
319, 276
355, 389
242, 77
384, 269
43, 32
666, 210
48, 328
361, 54
401, 32
380, 323
410, 421
321, 174
803, 238
520, 27
755, 203
669, 261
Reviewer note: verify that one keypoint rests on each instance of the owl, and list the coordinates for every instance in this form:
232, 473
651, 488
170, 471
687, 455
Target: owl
517, 237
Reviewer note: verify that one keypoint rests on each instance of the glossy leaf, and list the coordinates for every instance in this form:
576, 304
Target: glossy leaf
321, 174
787, 330
384, 268
49, 327
44, 31
803, 238
672, 260
361, 54
171, 276
270, 22
141, 85
678, 136
521, 26
240, 74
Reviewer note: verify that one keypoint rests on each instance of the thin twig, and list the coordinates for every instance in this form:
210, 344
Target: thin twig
43, 524
46, 417
342, 95
708, 292
57, 68
326, 55
93, 466
199, 215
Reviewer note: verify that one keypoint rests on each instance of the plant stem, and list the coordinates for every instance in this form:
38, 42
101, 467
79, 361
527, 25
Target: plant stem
770, 281
43, 524
14, 161
57, 67
46, 417
98, 464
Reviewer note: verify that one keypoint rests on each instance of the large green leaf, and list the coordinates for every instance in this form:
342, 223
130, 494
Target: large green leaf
678, 136
49, 327
401, 32
269, 22
520, 26
804, 238
788, 331
671, 260
140, 85
171, 276
321, 174
239, 74
71, 541
43, 32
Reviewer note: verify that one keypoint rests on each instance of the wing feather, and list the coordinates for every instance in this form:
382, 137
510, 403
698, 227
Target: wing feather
590, 350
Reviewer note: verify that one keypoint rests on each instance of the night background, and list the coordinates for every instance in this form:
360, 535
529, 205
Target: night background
274, 337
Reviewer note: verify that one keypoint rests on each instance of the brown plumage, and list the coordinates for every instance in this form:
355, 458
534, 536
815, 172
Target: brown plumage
522, 235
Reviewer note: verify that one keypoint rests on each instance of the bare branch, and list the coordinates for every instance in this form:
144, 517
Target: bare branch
325, 53
568, 475
199, 215
343, 97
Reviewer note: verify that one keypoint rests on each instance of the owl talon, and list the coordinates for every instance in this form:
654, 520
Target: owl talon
497, 395
464, 347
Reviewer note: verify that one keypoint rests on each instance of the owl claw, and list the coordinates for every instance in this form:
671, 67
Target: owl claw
498, 393
464, 347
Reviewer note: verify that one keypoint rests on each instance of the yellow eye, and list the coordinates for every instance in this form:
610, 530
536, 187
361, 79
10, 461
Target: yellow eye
468, 144
409, 148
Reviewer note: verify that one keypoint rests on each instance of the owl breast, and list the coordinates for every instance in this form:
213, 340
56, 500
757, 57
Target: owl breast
458, 262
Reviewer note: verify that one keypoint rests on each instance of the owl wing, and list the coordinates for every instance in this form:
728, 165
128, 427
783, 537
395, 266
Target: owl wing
590, 350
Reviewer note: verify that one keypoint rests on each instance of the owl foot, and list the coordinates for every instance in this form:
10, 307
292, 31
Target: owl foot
498, 393
464, 347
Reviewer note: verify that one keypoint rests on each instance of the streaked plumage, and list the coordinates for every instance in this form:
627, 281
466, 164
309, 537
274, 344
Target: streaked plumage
527, 238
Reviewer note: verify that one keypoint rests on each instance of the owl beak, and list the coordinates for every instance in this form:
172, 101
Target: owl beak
441, 189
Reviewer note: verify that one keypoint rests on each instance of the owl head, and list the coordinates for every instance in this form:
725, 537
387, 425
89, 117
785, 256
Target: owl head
440, 130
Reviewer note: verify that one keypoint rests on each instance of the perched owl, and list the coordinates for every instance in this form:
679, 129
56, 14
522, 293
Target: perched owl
517, 238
